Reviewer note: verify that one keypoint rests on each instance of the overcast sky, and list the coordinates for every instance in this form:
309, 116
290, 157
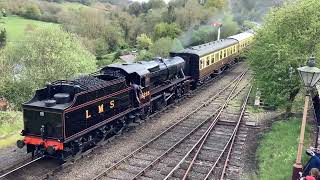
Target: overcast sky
148, 0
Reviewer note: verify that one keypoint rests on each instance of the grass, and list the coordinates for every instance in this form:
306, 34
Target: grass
17, 26
277, 151
10, 126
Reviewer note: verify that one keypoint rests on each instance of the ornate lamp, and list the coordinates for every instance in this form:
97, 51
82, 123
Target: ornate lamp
310, 75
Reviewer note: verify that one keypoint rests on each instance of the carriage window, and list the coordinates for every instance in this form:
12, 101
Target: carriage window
220, 55
224, 53
216, 57
208, 60
201, 63
212, 58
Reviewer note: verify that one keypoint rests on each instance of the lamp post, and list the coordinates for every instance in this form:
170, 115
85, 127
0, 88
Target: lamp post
310, 75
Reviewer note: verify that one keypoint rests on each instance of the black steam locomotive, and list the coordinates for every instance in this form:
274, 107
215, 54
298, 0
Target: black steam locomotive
68, 116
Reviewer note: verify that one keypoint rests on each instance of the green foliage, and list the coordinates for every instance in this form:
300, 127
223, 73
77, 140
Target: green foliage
166, 30
32, 11
169, 16
219, 4
163, 46
176, 45
160, 48
143, 41
135, 8
3, 38
109, 59
44, 55
252, 10
10, 121
202, 35
156, 4
144, 56
11, 124
207, 33
283, 44
277, 151
192, 14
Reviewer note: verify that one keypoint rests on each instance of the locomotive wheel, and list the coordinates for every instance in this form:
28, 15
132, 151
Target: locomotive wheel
179, 92
159, 105
119, 126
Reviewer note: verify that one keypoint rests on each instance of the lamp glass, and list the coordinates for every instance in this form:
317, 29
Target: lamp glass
309, 75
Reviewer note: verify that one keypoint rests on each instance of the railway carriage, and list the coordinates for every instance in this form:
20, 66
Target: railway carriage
212, 58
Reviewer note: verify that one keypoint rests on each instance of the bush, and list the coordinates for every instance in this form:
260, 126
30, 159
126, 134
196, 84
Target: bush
143, 41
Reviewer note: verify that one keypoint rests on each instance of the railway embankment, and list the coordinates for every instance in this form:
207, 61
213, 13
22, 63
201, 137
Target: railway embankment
273, 146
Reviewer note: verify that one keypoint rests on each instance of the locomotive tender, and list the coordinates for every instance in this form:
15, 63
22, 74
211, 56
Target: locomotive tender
68, 116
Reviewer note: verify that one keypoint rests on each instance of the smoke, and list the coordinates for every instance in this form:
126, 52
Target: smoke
252, 10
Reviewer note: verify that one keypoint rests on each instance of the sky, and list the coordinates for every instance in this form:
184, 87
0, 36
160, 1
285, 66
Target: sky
148, 0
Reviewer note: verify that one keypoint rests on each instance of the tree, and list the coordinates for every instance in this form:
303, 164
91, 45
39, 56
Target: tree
32, 11
44, 55
287, 38
156, 4
3, 38
162, 47
170, 15
219, 4
143, 41
166, 30
192, 14
135, 8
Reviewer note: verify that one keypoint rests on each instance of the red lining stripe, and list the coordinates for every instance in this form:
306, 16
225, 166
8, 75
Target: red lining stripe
97, 100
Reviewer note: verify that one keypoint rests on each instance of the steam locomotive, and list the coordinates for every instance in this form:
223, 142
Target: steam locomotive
68, 116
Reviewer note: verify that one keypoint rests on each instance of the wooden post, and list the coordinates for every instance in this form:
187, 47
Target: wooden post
297, 167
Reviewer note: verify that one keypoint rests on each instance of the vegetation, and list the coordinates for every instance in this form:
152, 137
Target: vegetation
45, 55
143, 41
284, 43
276, 157
10, 127
3, 38
37, 52
252, 10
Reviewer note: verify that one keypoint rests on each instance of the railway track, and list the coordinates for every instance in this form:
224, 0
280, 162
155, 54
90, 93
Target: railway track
215, 146
38, 168
157, 158
45, 168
